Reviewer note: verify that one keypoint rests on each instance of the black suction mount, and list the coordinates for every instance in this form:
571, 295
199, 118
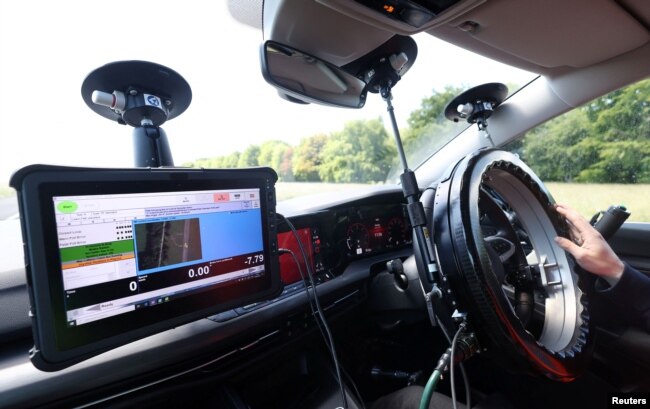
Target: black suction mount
477, 104
143, 95
383, 67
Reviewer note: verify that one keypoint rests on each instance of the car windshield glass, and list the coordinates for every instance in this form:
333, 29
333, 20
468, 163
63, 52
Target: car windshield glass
235, 118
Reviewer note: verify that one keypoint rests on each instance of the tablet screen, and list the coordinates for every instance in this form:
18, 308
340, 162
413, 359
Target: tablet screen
114, 255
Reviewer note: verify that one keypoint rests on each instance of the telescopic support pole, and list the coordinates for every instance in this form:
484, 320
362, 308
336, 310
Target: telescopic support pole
417, 217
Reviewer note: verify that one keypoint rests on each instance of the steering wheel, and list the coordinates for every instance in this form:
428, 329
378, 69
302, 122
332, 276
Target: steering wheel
494, 225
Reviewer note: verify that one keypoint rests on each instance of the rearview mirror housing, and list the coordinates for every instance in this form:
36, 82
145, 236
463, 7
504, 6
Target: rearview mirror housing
304, 77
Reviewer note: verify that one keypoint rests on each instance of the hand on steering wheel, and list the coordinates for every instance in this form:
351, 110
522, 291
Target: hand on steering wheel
588, 247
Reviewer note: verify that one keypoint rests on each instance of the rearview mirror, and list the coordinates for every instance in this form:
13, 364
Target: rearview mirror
310, 79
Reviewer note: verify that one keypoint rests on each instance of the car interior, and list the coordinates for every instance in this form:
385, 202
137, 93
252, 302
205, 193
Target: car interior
347, 296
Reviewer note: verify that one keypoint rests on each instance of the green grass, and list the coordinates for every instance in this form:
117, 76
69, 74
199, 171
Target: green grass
586, 198
288, 190
589, 198
6, 191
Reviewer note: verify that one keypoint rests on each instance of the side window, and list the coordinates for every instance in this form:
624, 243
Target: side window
596, 155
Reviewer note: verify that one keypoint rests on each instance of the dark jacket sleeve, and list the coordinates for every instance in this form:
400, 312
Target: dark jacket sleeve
631, 294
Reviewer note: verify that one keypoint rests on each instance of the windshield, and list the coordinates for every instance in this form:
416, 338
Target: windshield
235, 118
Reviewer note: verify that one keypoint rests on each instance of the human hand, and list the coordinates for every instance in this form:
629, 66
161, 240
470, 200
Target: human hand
588, 247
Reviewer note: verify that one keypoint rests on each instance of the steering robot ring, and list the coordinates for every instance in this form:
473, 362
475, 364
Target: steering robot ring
494, 223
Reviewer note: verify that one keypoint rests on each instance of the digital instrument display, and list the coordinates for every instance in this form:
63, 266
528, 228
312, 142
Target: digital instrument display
374, 229
289, 272
118, 254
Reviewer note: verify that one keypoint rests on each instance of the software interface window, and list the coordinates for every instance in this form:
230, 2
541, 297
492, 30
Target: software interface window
123, 252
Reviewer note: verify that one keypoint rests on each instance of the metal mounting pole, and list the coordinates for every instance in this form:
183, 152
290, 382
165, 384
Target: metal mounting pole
422, 243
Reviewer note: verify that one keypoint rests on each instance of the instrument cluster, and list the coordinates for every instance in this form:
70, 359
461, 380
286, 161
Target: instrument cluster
334, 237
373, 229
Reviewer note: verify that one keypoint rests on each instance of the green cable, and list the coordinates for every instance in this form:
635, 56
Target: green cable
443, 362
429, 388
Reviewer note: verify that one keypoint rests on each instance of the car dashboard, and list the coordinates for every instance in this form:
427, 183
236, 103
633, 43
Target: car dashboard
333, 239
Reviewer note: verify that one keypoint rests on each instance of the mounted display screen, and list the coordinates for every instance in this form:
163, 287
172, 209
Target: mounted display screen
116, 255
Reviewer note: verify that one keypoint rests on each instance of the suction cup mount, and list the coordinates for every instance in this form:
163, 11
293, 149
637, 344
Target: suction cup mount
143, 95
477, 104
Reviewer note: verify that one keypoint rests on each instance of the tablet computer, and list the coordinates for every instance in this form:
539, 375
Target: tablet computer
114, 255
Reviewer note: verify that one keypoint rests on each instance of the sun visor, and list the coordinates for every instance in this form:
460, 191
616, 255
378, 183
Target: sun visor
521, 29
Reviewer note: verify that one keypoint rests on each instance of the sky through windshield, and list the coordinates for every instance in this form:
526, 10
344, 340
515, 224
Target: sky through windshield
48, 48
